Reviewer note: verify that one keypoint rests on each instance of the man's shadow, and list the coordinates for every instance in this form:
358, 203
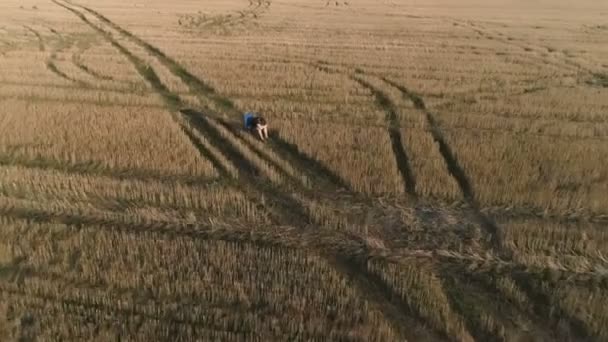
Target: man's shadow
287, 150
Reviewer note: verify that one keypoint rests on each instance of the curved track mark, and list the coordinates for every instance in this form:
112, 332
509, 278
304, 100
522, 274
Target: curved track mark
76, 60
38, 36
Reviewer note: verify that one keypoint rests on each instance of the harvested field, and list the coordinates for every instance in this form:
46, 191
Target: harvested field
435, 171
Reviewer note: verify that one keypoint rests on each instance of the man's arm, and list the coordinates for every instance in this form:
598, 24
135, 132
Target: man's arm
260, 134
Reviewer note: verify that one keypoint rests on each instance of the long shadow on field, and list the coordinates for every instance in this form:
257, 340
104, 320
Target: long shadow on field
290, 152
238, 134
199, 122
313, 166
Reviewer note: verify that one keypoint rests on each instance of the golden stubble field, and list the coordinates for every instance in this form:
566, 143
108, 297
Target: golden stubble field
437, 170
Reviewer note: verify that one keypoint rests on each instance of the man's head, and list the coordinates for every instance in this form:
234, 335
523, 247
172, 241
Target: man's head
261, 122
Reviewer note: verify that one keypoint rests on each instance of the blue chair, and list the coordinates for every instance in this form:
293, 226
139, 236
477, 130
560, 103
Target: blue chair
248, 120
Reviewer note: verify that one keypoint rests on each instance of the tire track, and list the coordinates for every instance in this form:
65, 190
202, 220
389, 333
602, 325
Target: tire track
420, 289
38, 36
541, 327
277, 163
529, 311
394, 133
274, 236
52, 66
401, 158
327, 242
284, 208
76, 60
119, 204
50, 62
455, 169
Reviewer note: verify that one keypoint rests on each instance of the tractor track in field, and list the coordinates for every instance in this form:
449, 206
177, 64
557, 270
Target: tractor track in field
50, 61
457, 172
250, 178
393, 128
455, 169
348, 259
394, 132
50, 64
38, 37
77, 61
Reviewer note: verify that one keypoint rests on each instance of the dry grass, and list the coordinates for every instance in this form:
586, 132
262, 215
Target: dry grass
350, 151
266, 288
434, 172
107, 138
540, 172
209, 201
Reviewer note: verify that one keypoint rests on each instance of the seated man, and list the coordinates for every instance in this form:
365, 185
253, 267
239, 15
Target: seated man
258, 123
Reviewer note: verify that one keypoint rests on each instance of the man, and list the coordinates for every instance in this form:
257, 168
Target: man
258, 124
